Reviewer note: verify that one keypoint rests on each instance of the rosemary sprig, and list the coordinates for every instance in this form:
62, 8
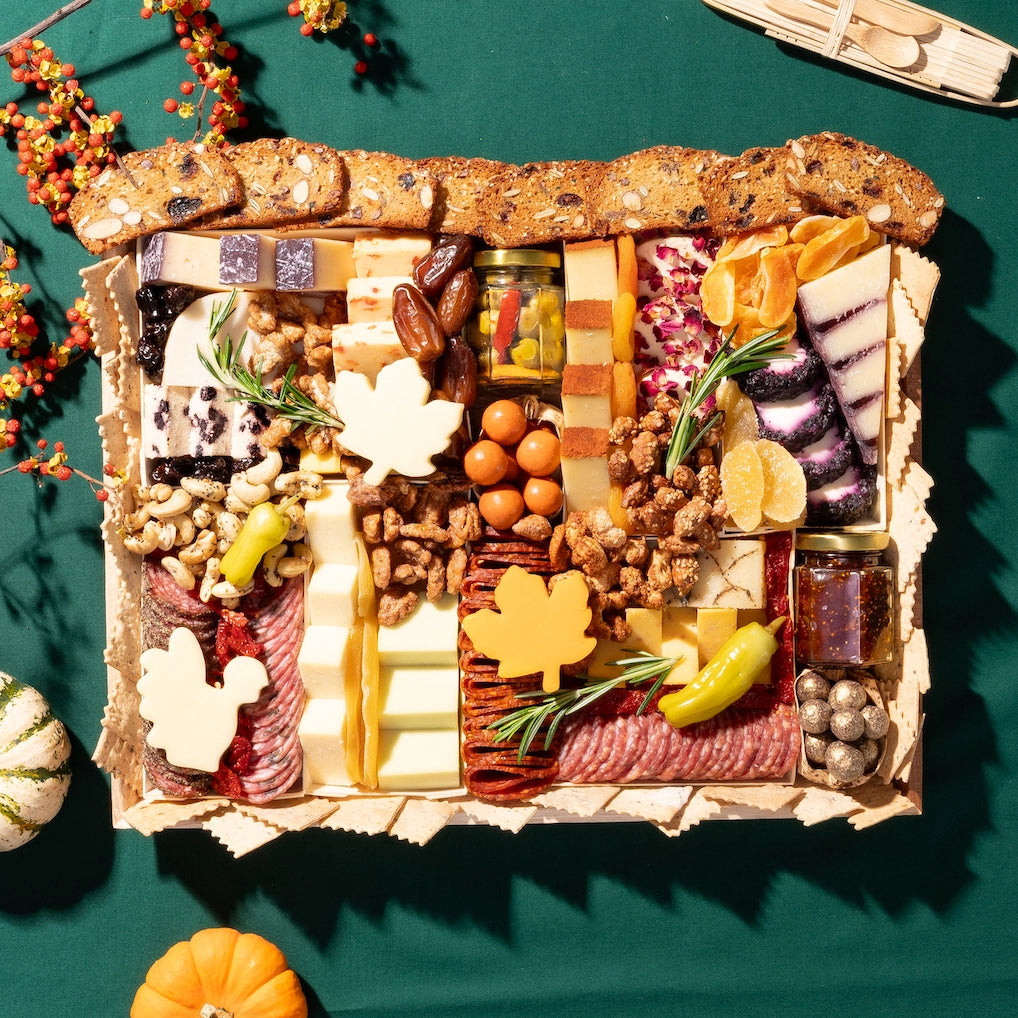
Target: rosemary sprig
290, 403
728, 361
531, 719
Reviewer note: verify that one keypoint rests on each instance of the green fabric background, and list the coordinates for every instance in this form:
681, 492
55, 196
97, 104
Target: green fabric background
913, 916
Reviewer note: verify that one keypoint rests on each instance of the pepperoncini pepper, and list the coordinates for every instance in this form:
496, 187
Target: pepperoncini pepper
266, 525
725, 677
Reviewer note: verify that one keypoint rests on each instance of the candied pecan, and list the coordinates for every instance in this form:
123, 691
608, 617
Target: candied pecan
381, 566
371, 527
603, 581
708, 482
396, 604
455, 570
667, 405
432, 506
409, 573
558, 549
436, 579
533, 527
713, 435
576, 527
685, 572
319, 358
706, 536
652, 519
464, 522
610, 600
391, 523
275, 434
684, 478
424, 532
659, 572
634, 584
621, 630
719, 514
622, 429
692, 515
261, 311
645, 454
409, 550
680, 545
320, 441
620, 469
704, 457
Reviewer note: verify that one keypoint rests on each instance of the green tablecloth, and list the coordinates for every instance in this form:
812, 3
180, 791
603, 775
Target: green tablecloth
912, 916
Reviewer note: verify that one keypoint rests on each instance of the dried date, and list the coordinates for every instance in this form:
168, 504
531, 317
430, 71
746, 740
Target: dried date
444, 260
417, 324
456, 372
457, 301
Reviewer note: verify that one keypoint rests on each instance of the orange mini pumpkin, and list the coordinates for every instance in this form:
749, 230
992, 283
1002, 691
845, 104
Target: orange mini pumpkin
221, 973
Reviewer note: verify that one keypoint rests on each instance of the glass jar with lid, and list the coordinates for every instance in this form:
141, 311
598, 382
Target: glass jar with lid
518, 327
843, 591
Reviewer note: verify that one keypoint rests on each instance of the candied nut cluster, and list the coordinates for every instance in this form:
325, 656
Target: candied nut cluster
416, 537
194, 524
281, 322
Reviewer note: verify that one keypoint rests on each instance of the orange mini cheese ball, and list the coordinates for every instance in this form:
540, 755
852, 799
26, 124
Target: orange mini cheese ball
542, 496
539, 453
501, 506
504, 422
485, 462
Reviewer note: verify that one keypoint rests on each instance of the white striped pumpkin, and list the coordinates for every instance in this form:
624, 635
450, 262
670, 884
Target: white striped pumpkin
34, 763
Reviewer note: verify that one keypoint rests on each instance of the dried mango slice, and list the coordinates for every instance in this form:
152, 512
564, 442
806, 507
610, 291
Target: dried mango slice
823, 252
623, 316
784, 496
780, 285
806, 229
742, 484
745, 245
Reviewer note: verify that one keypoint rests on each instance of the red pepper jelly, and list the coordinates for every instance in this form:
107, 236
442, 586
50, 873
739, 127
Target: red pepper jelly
844, 599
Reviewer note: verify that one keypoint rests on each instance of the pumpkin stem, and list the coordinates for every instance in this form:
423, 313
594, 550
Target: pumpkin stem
211, 1011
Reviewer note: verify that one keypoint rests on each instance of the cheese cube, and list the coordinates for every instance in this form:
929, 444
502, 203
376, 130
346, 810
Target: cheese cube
713, 627
591, 270
605, 652
369, 299
731, 576
418, 697
647, 631
249, 421
322, 660
678, 640
310, 264
585, 481
210, 422
321, 737
325, 463
589, 332
331, 525
365, 347
586, 395
416, 760
332, 595
389, 254
428, 637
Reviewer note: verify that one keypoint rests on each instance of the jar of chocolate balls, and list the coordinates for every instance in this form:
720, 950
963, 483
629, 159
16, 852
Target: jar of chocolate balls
844, 599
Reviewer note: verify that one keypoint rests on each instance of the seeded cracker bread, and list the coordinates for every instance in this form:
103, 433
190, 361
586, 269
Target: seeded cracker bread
384, 191
462, 186
176, 184
849, 177
656, 188
749, 192
283, 179
542, 202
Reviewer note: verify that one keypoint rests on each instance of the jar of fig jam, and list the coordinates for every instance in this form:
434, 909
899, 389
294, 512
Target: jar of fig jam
844, 599
518, 326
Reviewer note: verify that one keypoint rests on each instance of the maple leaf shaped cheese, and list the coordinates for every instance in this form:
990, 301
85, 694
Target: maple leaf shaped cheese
534, 631
393, 424
192, 721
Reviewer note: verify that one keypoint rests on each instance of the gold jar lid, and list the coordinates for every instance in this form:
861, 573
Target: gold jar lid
842, 540
525, 257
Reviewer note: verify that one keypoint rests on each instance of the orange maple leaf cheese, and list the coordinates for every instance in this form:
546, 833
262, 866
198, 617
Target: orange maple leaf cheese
534, 630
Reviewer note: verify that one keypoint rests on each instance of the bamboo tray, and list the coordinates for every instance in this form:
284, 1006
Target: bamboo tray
956, 60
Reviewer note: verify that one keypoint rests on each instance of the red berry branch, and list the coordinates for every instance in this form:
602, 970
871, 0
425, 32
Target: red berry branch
57, 468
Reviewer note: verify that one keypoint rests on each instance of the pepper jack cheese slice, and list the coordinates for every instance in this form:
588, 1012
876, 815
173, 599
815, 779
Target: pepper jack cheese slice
714, 626
365, 347
388, 254
369, 298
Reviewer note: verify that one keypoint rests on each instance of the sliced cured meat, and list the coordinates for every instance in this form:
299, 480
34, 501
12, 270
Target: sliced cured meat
785, 377
827, 458
799, 421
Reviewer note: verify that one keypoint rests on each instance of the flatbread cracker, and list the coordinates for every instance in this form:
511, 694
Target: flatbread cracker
905, 326
240, 834
918, 276
879, 802
654, 804
580, 800
506, 817
421, 819
290, 814
367, 815
819, 804
105, 324
700, 807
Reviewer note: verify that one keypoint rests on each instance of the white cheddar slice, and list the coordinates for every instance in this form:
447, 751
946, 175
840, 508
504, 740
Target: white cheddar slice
417, 760
731, 576
189, 336
428, 637
331, 525
585, 483
591, 270
369, 298
365, 347
332, 594
321, 738
322, 660
389, 254
313, 265
418, 698
182, 258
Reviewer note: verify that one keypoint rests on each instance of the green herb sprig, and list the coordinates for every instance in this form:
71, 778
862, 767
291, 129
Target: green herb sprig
531, 719
728, 361
289, 403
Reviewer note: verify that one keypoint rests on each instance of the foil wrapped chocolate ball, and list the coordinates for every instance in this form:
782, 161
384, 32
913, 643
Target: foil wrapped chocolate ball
815, 716
847, 694
815, 747
847, 725
870, 750
876, 721
844, 762
811, 685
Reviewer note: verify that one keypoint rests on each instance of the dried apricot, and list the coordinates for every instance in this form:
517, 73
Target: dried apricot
717, 293
742, 484
623, 316
824, 251
806, 229
745, 245
777, 269
625, 250
784, 497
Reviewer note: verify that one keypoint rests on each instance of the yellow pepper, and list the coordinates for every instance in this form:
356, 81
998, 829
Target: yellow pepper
266, 525
725, 677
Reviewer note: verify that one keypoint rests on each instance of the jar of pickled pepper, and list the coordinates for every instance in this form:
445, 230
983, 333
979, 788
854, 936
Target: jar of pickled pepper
518, 326
843, 590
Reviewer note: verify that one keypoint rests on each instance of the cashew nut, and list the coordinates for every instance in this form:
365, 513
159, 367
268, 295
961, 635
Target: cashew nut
297, 562
227, 526
186, 529
245, 496
266, 471
181, 574
160, 492
136, 520
298, 522
145, 542
204, 488
224, 590
205, 513
270, 561
178, 502
201, 550
209, 580
167, 535
305, 483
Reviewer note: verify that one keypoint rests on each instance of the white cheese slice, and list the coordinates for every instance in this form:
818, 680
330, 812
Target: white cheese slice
321, 738
189, 335
389, 254
731, 576
331, 525
332, 594
428, 637
182, 258
369, 298
591, 270
322, 660
418, 698
416, 760
857, 285
365, 347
